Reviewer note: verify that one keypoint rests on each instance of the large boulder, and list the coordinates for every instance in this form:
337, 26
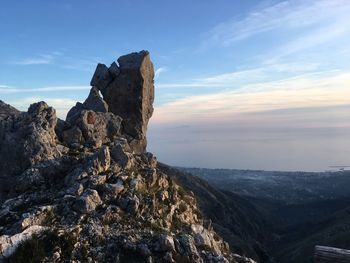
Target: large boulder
90, 127
88, 201
129, 93
26, 140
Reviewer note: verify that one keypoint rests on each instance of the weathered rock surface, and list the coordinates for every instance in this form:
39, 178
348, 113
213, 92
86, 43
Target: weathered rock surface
85, 190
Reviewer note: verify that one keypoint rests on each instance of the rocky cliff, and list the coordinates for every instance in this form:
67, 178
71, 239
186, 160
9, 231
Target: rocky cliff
86, 190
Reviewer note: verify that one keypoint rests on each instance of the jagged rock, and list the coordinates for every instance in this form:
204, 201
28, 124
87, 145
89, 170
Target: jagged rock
76, 189
7, 110
162, 195
130, 94
187, 250
72, 136
114, 70
204, 238
165, 243
119, 156
97, 180
113, 190
100, 161
26, 140
96, 127
88, 201
136, 183
151, 160
101, 77
73, 114
130, 204
94, 102
37, 217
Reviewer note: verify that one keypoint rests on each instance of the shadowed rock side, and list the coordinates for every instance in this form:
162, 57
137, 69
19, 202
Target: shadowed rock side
85, 189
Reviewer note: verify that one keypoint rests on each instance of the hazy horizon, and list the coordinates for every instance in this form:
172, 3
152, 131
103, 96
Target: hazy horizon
246, 85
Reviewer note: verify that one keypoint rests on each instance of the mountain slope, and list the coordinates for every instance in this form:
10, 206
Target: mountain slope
302, 209
233, 217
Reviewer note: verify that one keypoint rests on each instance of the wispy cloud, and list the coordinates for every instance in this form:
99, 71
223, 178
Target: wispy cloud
253, 75
286, 15
310, 40
304, 91
78, 63
61, 60
6, 89
159, 71
38, 60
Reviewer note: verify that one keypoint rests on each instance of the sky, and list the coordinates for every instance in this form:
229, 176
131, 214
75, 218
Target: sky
239, 84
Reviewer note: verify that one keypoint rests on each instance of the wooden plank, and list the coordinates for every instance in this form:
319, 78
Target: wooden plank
331, 255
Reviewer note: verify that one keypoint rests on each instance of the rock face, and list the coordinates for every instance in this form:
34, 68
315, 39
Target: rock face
129, 93
85, 190
26, 139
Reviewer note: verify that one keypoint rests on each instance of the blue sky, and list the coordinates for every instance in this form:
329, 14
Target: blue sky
239, 84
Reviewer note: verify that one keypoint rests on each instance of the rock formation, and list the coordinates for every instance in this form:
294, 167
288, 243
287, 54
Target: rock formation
85, 189
128, 90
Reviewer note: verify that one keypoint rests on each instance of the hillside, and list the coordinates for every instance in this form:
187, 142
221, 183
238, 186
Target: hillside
302, 209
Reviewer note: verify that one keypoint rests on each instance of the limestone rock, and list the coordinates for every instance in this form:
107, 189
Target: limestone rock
111, 191
94, 101
129, 204
88, 201
95, 128
186, 248
119, 156
26, 140
72, 136
130, 94
8, 244
100, 161
101, 77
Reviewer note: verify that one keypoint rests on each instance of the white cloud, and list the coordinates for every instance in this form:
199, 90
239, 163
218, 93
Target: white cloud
159, 71
286, 15
311, 39
59, 59
233, 79
312, 90
39, 60
6, 89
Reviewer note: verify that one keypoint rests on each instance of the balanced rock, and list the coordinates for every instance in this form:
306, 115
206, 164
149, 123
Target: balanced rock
129, 93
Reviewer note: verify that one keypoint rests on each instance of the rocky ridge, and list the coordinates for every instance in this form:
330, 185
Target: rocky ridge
86, 190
